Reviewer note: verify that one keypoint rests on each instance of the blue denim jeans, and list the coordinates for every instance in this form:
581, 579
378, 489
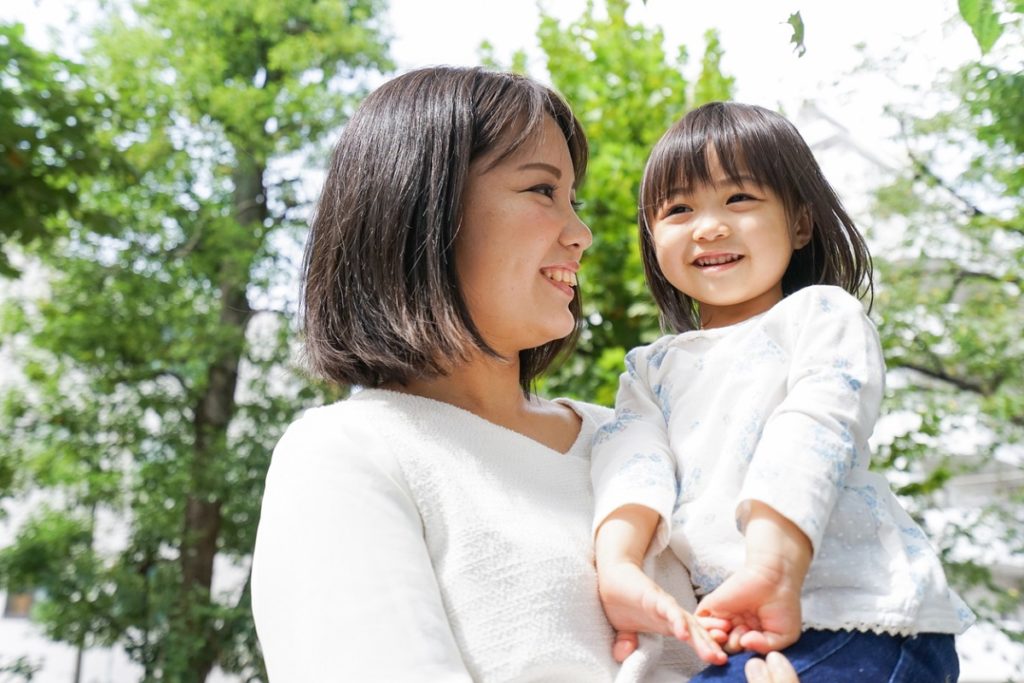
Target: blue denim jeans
840, 656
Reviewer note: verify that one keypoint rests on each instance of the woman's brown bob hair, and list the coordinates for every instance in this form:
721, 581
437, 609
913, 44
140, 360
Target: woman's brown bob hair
381, 302
751, 141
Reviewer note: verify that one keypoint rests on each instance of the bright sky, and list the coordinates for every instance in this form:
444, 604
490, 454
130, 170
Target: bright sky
919, 37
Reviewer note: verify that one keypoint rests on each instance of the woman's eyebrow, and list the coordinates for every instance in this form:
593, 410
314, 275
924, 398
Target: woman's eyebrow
540, 165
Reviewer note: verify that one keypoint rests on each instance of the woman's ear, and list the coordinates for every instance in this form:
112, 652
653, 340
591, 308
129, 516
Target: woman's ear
802, 228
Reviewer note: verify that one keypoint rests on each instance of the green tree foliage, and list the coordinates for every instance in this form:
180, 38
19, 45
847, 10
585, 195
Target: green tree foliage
156, 372
627, 91
48, 139
985, 19
952, 318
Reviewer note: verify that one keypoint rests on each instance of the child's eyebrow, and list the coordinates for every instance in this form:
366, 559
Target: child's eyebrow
725, 181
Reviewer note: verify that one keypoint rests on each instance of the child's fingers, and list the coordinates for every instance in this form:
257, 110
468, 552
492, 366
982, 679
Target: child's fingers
756, 642
625, 645
764, 642
718, 635
706, 647
732, 645
680, 622
714, 623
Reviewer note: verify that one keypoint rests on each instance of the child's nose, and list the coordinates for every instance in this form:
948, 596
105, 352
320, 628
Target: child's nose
710, 228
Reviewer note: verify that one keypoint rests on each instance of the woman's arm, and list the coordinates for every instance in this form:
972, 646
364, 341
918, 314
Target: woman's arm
343, 588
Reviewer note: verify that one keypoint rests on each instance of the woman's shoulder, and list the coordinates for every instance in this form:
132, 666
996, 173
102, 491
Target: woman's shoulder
333, 421
592, 412
339, 436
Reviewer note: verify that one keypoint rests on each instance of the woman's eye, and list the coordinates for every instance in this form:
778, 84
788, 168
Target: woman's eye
546, 190
577, 204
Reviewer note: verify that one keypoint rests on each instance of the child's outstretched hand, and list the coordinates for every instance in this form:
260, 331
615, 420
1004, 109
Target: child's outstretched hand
634, 603
761, 600
761, 606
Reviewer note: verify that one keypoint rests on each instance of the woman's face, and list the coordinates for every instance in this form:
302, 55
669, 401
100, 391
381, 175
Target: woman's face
519, 246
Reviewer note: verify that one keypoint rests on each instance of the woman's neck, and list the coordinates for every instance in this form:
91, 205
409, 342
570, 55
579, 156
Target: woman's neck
486, 386
489, 388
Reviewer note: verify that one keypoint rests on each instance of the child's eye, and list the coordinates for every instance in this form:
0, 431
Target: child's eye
675, 209
740, 197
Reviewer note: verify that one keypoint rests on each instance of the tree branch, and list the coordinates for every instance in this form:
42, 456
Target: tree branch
980, 388
922, 169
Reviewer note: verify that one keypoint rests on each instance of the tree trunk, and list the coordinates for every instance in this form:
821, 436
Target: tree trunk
212, 418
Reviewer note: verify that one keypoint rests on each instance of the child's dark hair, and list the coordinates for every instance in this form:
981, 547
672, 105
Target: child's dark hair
752, 141
381, 302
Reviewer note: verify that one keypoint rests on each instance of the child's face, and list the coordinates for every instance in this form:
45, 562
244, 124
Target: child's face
727, 246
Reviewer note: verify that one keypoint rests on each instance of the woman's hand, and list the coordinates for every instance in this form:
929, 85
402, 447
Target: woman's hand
774, 668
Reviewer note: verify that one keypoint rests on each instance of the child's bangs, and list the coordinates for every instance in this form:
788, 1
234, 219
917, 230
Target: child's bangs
681, 161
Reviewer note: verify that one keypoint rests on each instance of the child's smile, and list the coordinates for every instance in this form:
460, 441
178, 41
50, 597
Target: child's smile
716, 262
727, 246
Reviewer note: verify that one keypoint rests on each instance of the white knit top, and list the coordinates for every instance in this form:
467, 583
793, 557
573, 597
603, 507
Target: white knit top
778, 409
404, 539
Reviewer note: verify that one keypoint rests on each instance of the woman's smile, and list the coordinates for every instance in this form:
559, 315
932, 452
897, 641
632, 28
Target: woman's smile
520, 225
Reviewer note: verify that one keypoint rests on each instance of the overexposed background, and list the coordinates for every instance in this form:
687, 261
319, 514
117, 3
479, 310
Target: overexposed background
838, 105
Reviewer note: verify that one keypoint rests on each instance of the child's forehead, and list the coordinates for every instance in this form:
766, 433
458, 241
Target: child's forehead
689, 179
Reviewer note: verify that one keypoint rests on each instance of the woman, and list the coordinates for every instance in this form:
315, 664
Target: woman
436, 525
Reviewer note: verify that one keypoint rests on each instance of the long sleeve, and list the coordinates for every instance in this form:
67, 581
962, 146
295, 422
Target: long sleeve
632, 462
819, 431
343, 587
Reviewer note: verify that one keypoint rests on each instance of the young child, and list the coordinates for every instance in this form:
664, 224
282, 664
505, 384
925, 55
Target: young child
741, 442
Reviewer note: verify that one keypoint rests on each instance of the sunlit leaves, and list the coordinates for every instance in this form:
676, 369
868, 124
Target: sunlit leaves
951, 315
796, 22
627, 89
983, 19
149, 379
49, 121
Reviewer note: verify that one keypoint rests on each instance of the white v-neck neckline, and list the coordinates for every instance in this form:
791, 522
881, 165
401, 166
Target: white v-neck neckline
578, 444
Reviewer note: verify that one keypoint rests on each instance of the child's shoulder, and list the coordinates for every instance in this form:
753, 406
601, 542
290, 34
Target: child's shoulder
647, 354
820, 300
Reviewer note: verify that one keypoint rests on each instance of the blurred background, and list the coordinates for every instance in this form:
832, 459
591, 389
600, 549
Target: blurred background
158, 164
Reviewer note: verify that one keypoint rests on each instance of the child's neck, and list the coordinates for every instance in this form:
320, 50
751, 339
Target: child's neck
714, 315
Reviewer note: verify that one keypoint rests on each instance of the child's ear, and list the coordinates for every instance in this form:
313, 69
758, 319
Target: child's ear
802, 229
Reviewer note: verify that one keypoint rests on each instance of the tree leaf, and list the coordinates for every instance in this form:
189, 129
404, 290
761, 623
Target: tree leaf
983, 19
797, 22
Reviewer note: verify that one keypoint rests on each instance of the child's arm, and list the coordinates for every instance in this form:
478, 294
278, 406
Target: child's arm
762, 599
815, 436
631, 600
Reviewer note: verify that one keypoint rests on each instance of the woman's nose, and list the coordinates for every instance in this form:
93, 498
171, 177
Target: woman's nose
577, 234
